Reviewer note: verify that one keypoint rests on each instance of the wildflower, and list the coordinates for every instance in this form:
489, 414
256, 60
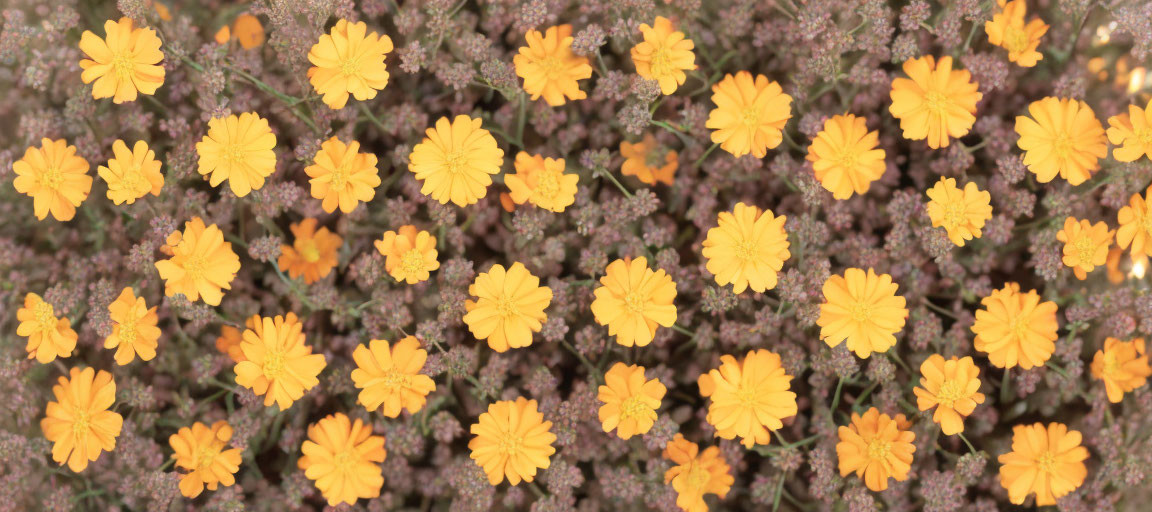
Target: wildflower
313, 254
455, 161
54, 177
512, 440
79, 422
342, 176
1007, 30
230, 338
1015, 329
696, 474
237, 149
133, 174
204, 452
134, 330
344, 458
202, 263
1062, 137
124, 63
49, 337
509, 307
749, 397
277, 363
389, 376
951, 386
642, 161
862, 309
1085, 245
632, 300
1046, 461
409, 254
542, 182
1122, 365
348, 60
935, 102
875, 447
1131, 132
550, 68
664, 55
748, 247
630, 400
961, 212
247, 29
844, 156
750, 114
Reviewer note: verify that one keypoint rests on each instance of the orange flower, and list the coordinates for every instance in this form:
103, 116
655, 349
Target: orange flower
648, 165
875, 447
696, 473
313, 254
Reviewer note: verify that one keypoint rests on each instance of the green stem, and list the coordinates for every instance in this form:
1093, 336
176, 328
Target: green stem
836, 399
706, 153
371, 117
607, 174
592, 369
965, 439
1005, 384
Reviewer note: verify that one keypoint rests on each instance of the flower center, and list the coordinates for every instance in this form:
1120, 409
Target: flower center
45, 316
954, 215
1047, 462
394, 380
194, 267
553, 66
634, 301
52, 178
350, 67
750, 118
122, 66
1062, 146
879, 449
634, 407
848, 158
132, 179
344, 460
273, 364
510, 444
936, 102
308, 250
412, 262
861, 311
749, 398
233, 153
456, 162
80, 427
1085, 248
698, 476
339, 177
127, 333
1146, 222
1019, 328
548, 184
662, 62
951, 391
1144, 136
205, 456
1111, 365
746, 250
507, 307
1015, 40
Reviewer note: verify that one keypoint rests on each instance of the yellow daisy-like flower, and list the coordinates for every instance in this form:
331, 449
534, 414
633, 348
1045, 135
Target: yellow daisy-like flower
1047, 461
204, 452
935, 102
134, 331
49, 337
664, 55
1015, 329
124, 63
962, 213
512, 440
55, 177
542, 182
344, 458
1122, 365
237, 149
389, 376
1131, 132
863, 309
343, 176
1063, 137
409, 254
202, 263
313, 254
643, 161
348, 60
1007, 30
844, 156
696, 473
632, 300
1085, 245
750, 114
550, 68
228, 343
630, 400
509, 307
747, 248
749, 397
277, 363
951, 386
133, 174
78, 421
456, 160
876, 448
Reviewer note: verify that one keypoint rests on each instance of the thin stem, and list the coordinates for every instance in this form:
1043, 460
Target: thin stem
684, 331
706, 153
965, 439
836, 399
1005, 384
605, 173
592, 369
371, 117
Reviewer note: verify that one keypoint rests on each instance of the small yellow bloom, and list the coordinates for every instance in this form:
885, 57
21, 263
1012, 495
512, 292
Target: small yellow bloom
747, 248
509, 307
1131, 132
632, 300
1008, 30
134, 331
277, 363
247, 29
863, 309
1085, 245
202, 263
237, 149
935, 102
844, 156
951, 386
1015, 329
389, 376
133, 174
409, 254
750, 114
204, 452
349, 60
550, 68
1047, 461
78, 422
456, 160
48, 337
512, 440
875, 447
228, 343
749, 397
962, 213
1122, 365
343, 176
1063, 137
313, 254
344, 458
542, 182
648, 165
630, 400
696, 474
55, 177
124, 63
664, 55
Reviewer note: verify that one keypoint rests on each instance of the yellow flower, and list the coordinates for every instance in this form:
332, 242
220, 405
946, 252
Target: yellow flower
134, 330
1085, 245
844, 156
133, 174
664, 55
202, 263
550, 68
630, 400
1122, 365
237, 149
343, 457
696, 474
1132, 131
632, 301
124, 63
204, 452
277, 363
509, 307
48, 337
313, 254
228, 343
875, 447
54, 177
409, 254
1015, 329
349, 60
749, 397
342, 176
646, 164
748, 247
1008, 30
935, 102
542, 182
951, 386
961, 212
247, 29
862, 309
750, 114
455, 161
1046, 461
512, 440
389, 376
1062, 137
79, 422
